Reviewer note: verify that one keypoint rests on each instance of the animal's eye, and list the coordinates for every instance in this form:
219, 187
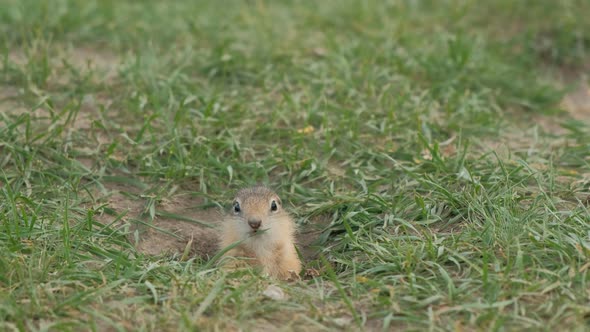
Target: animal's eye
273, 206
237, 208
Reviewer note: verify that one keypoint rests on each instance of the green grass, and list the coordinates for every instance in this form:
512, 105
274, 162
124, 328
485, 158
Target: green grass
408, 129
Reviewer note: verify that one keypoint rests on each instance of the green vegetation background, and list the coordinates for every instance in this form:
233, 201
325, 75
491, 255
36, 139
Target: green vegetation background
426, 137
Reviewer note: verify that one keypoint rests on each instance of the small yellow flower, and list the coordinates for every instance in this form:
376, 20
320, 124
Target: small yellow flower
361, 279
306, 130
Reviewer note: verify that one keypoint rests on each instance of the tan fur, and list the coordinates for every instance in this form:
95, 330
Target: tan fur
273, 249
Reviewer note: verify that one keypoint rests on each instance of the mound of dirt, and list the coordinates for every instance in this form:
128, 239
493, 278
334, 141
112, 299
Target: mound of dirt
179, 224
577, 103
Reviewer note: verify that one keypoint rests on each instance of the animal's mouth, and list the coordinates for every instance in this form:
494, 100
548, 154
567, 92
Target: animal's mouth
258, 231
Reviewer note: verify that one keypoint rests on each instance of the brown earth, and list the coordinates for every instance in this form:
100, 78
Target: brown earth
168, 235
577, 103
102, 67
165, 234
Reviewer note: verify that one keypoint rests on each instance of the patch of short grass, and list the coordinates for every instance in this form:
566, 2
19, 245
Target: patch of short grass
377, 118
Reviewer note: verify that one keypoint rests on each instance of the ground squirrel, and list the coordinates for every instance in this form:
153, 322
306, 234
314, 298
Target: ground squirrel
257, 218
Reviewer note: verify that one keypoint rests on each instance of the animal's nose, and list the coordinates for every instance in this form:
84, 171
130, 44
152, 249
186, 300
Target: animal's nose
254, 223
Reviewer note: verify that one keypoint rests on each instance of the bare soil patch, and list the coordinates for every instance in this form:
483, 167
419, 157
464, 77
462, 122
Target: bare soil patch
82, 59
163, 234
201, 240
104, 63
167, 234
66, 63
577, 103
525, 137
308, 235
8, 105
